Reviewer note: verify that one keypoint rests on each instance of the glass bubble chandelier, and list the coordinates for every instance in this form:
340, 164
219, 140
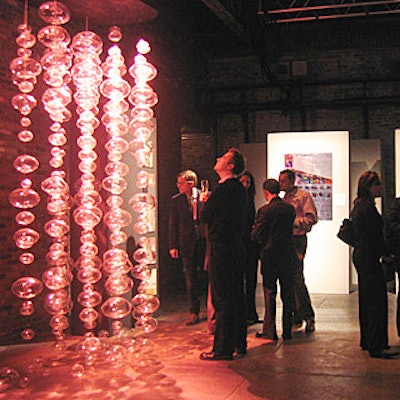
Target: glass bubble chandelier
72, 71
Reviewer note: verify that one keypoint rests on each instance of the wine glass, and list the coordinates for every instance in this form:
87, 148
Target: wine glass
204, 185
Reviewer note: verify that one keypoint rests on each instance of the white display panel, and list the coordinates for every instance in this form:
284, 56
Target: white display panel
397, 161
327, 268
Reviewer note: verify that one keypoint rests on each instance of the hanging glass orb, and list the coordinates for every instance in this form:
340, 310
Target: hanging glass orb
116, 307
142, 202
25, 218
27, 287
54, 12
145, 303
27, 308
26, 258
25, 238
118, 285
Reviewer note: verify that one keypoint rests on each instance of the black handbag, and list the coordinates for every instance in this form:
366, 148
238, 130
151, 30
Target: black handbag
347, 233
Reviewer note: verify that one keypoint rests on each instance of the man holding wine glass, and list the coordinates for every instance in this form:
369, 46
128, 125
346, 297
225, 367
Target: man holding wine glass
186, 239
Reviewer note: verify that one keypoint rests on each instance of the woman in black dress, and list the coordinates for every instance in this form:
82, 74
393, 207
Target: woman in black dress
373, 308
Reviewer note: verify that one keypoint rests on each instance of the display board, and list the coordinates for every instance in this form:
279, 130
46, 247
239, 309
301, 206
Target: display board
321, 163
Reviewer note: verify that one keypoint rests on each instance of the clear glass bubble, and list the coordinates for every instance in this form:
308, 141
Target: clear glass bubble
118, 237
8, 378
117, 218
27, 287
26, 40
24, 103
145, 303
56, 227
25, 218
25, 136
114, 34
26, 164
56, 278
143, 46
27, 308
146, 324
58, 302
24, 198
116, 307
141, 272
54, 36
78, 370
89, 298
118, 285
114, 184
25, 238
142, 202
26, 258
27, 334
25, 122
88, 315
89, 275
87, 218
59, 322
54, 12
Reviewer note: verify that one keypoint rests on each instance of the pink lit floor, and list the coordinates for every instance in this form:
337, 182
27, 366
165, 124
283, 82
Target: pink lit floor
327, 364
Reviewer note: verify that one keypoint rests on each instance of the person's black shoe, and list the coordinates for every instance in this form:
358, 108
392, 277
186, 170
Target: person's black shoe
193, 320
240, 352
211, 356
384, 354
261, 335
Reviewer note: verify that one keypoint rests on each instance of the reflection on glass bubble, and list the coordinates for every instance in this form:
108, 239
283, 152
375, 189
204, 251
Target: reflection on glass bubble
24, 103
27, 287
55, 184
117, 168
59, 322
77, 370
116, 307
56, 227
143, 256
56, 278
25, 217
142, 179
146, 324
145, 303
114, 184
54, 36
26, 164
8, 378
88, 250
54, 12
24, 198
25, 238
27, 308
118, 237
88, 315
118, 285
87, 218
141, 272
116, 145
142, 202
117, 218
89, 298
58, 302
25, 136
84, 262
115, 201
89, 275
27, 334
26, 258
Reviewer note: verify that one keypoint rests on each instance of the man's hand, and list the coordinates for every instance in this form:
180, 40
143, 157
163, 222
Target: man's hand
174, 253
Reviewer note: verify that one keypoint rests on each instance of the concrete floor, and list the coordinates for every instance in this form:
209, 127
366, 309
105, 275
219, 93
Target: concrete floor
327, 364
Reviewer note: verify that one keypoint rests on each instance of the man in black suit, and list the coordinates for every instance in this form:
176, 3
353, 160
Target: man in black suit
224, 212
186, 240
273, 230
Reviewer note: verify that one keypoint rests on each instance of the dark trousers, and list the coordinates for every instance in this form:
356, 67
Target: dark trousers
286, 281
372, 299
304, 310
195, 281
250, 280
226, 282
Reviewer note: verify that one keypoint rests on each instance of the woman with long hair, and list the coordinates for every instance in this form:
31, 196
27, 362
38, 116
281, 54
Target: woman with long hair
370, 247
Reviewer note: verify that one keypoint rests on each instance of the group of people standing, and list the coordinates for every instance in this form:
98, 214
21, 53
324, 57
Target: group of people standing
224, 222
220, 231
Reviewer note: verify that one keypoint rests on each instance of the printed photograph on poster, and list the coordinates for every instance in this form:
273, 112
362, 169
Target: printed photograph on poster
314, 174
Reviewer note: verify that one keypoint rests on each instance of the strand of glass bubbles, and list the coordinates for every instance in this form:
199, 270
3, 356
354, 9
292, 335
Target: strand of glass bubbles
143, 98
87, 76
24, 73
56, 63
116, 263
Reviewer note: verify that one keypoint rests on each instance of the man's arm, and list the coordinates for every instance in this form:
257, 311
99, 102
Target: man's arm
309, 216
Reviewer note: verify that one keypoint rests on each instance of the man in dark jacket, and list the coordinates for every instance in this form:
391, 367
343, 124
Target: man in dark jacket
224, 212
273, 231
186, 240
